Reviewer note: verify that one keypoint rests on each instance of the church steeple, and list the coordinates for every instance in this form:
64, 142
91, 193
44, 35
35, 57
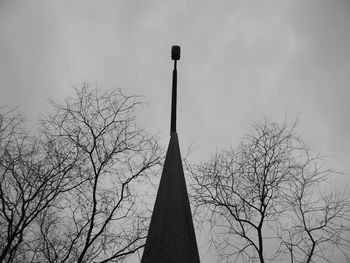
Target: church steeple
171, 237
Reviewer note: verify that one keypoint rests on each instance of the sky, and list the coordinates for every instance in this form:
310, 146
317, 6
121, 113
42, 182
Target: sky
241, 61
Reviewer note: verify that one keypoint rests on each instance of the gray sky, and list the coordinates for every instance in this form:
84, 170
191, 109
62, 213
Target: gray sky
241, 61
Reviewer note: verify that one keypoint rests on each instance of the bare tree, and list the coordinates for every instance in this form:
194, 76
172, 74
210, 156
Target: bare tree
320, 221
73, 192
31, 177
102, 219
259, 194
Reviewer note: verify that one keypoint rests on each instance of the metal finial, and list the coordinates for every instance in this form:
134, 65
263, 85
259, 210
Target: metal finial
175, 52
175, 55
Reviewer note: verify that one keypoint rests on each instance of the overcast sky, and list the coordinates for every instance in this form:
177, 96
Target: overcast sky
241, 61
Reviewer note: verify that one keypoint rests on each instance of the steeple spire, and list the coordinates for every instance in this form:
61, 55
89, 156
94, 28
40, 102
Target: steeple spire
171, 237
175, 55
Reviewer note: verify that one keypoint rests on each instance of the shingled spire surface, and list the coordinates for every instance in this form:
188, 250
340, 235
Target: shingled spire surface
171, 237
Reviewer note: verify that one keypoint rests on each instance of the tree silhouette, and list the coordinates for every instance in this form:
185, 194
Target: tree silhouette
32, 176
268, 191
84, 180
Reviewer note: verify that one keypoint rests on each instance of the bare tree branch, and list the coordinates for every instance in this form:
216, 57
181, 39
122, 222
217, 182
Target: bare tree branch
265, 192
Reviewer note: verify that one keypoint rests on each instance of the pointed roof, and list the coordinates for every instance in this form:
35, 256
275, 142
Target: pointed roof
171, 237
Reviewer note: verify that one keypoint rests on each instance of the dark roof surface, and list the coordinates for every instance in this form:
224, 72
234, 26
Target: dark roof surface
171, 236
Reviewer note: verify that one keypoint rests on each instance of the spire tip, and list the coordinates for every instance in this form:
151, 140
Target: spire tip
175, 52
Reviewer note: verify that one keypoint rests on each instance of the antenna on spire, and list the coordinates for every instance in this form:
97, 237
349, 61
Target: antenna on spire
171, 237
175, 55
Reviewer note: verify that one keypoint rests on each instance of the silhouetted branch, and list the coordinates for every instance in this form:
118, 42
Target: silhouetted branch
263, 190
